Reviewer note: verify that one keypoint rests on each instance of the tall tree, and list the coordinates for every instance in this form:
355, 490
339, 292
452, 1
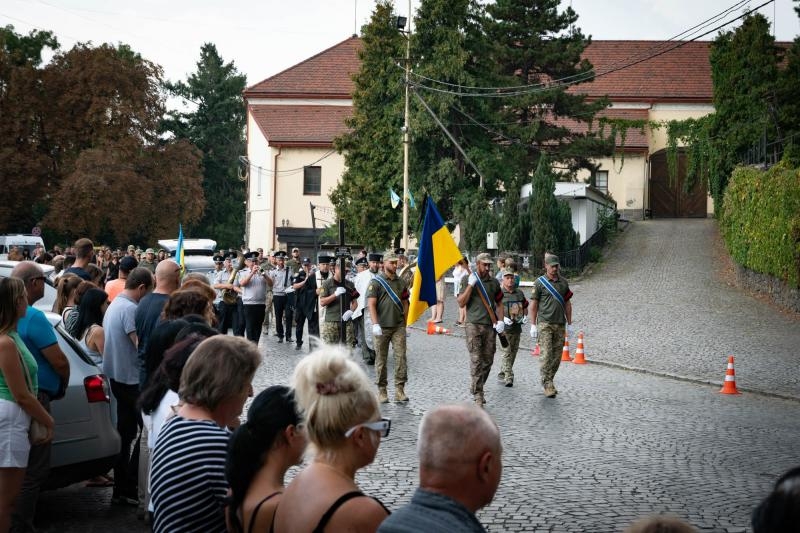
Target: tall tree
216, 127
373, 145
551, 220
113, 178
535, 45
79, 145
449, 52
744, 69
24, 162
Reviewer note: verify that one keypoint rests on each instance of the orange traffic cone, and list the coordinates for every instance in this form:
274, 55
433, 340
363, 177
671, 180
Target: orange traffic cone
565, 351
579, 355
536, 351
729, 385
433, 329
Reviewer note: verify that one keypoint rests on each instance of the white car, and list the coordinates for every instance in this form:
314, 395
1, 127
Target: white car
197, 253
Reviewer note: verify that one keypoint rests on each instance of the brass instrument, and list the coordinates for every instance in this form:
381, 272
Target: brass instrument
229, 295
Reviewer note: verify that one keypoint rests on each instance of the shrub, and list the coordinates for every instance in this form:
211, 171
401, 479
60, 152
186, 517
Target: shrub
760, 221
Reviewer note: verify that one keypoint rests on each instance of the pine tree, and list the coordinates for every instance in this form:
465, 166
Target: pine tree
373, 146
535, 44
551, 219
450, 47
216, 127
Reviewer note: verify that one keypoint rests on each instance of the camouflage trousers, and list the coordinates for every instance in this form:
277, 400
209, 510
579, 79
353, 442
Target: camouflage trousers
397, 336
551, 344
268, 313
481, 346
331, 334
509, 355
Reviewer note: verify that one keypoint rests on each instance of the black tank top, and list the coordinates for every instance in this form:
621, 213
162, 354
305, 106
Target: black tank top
333, 508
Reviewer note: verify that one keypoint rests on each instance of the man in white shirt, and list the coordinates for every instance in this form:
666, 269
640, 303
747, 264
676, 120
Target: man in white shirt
364, 331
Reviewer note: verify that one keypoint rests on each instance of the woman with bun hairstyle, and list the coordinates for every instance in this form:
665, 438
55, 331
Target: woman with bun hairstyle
344, 424
259, 454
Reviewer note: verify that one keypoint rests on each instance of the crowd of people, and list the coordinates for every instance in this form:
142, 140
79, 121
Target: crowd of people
181, 381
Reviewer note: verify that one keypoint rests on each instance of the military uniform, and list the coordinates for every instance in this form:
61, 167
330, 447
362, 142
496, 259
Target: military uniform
551, 322
331, 334
266, 267
392, 320
514, 309
481, 341
306, 307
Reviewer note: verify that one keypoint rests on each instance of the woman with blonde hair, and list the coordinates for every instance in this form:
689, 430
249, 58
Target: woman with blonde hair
344, 425
18, 402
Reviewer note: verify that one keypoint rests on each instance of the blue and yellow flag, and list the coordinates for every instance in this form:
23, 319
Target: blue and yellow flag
437, 253
394, 198
179, 250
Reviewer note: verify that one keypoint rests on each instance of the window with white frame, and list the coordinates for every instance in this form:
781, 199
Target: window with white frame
312, 181
601, 180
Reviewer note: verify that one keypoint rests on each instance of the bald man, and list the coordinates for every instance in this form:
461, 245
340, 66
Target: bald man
148, 312
460, 464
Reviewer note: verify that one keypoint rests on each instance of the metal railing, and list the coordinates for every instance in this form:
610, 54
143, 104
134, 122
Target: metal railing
579, 257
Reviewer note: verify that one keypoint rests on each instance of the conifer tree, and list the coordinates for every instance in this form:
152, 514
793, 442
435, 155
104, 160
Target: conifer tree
216, 126
373, 146
551, 219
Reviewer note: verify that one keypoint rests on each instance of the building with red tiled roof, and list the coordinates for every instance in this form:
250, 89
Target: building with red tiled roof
294, 116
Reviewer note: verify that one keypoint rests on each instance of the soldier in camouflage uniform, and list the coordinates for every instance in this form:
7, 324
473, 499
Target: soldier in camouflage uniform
550, 318
332, 295
388, 311
515, 309
480, 329
267, 264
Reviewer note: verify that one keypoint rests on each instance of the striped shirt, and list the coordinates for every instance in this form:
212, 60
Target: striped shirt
187, 478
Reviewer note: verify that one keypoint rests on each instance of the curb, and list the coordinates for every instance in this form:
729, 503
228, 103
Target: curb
668, 375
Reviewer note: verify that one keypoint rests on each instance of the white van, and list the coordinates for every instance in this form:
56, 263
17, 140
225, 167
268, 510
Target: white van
23, 242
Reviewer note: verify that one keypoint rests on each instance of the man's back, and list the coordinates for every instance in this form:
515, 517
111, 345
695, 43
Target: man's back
120, 359
433, 513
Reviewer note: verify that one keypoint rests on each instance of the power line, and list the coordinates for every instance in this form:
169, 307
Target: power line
588, 75
652, 49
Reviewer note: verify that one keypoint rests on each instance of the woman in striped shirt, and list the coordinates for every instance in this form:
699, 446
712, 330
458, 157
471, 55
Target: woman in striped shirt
187, 478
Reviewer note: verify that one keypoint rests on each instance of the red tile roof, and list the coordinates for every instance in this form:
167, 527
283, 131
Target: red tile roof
681, 74
635, 140
325, 75
307, 126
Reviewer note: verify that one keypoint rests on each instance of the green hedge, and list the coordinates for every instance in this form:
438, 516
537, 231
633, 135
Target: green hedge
760, 221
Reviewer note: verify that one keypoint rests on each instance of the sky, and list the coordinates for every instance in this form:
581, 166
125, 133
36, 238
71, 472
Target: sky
264, 37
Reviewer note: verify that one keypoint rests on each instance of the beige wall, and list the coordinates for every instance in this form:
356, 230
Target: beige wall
667, 112
291, 206
628, 184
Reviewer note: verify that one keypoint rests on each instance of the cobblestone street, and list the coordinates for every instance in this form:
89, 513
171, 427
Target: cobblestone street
615, 444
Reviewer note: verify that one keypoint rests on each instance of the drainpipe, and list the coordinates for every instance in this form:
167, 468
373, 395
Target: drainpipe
274, 193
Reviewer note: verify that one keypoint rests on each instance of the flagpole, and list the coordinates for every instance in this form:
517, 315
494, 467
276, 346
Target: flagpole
406, 135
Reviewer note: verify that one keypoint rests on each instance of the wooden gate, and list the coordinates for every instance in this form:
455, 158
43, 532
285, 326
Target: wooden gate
667, 197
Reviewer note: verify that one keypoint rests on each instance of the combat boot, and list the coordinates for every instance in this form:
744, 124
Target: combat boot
382, 396
400, 394
550, 390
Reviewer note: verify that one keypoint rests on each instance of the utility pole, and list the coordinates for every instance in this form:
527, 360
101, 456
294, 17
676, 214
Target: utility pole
406, 137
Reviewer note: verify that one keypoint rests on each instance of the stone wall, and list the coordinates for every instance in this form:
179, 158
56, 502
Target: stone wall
778, 291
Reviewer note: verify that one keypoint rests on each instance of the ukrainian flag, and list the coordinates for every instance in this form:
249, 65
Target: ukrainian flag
179, 250
437, 253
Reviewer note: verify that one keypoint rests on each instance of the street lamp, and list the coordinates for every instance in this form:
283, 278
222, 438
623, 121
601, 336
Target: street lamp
401, 24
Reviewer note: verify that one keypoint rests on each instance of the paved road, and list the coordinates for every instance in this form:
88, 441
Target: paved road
615, 444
